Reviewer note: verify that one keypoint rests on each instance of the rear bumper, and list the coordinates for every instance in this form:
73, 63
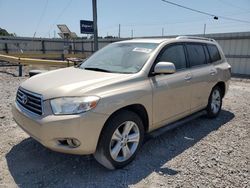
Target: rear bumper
49, 129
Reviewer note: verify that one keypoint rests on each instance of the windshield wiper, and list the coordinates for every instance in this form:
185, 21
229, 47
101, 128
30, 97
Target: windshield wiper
96, 69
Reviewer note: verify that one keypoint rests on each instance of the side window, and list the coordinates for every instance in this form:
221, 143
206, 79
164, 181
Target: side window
196, 54
174, 54
214, 52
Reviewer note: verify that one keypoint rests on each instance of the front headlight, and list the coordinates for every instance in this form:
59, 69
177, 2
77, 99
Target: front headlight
73, 105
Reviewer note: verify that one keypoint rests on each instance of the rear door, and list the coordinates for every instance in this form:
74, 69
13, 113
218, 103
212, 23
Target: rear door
203, 73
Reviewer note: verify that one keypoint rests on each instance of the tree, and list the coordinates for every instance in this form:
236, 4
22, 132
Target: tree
3, 32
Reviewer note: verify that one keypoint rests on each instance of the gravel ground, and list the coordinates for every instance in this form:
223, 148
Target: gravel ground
202, 153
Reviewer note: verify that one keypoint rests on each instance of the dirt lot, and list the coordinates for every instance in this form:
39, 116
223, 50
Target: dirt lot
202, 153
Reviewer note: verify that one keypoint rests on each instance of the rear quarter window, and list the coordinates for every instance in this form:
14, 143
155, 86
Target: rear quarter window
207, 54
214, 52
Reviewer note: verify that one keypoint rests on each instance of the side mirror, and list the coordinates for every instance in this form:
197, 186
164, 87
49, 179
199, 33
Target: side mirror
164, 68
35, 72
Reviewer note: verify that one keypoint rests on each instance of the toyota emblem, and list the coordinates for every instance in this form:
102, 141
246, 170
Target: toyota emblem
24, 99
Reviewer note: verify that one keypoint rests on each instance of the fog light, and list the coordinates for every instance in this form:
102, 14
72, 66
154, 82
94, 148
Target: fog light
72, 142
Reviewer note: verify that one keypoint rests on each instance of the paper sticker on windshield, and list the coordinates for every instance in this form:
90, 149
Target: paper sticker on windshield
143, 50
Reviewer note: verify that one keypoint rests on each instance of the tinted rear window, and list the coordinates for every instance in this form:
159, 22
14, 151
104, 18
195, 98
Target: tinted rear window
214, 52
196, 54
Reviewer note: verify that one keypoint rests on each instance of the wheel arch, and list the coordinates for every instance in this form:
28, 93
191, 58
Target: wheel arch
222, 86
139, 109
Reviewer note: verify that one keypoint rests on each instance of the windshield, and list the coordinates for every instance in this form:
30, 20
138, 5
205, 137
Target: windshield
120, 58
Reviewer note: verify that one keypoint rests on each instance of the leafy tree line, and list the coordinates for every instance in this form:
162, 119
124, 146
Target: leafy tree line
4, 32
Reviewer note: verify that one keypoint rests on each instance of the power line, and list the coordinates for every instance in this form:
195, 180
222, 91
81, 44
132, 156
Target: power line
136, 24
177, 25
194, 10
234, 19
41, 17
205, 13
59, 15
162, 24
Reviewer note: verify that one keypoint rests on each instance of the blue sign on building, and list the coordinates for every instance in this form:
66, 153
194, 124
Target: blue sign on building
86, 26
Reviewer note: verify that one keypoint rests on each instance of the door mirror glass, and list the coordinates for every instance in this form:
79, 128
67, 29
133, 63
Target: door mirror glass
164, 68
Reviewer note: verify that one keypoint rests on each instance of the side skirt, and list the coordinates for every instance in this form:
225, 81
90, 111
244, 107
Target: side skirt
174, 125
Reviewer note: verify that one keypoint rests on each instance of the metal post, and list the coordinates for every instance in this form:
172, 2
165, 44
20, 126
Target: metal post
6, 48
204, 32
68, 62
95, 25
92, 49
43, 47
82, 46
20, 70
119, 32
73, 47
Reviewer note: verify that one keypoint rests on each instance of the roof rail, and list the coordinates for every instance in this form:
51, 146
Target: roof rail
193, 37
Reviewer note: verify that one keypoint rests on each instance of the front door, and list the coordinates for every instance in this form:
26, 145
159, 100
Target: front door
171, 92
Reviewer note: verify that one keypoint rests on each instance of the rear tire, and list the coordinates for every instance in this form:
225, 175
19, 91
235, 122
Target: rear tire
120, 140
214, 102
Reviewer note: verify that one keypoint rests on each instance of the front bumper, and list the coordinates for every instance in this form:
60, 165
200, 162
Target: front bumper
50, 128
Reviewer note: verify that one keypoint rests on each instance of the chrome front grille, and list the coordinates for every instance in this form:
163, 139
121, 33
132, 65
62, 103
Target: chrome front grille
30, 101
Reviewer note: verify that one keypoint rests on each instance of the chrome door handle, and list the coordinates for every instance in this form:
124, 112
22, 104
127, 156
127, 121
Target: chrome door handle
188, 77
212, 72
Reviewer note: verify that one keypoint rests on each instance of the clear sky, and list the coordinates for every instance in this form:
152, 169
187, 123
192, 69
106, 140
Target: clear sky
144, 17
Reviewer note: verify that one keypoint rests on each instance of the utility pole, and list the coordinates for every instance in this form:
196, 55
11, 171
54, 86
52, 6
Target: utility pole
204, 32
119, 31
132, 33
95, 25
162, 31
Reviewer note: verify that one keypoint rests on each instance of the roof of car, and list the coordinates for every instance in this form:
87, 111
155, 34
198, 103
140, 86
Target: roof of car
160, 40
149, 40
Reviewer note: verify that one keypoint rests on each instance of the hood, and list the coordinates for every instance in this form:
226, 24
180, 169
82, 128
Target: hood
70, 82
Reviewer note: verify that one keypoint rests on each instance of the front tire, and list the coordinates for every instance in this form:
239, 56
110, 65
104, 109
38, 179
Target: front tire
214, 102
120, 140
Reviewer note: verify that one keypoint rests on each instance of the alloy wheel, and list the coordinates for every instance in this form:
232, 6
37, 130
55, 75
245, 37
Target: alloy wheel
216, 101
124, 141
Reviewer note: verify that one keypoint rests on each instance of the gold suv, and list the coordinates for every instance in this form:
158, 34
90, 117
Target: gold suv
107, 104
